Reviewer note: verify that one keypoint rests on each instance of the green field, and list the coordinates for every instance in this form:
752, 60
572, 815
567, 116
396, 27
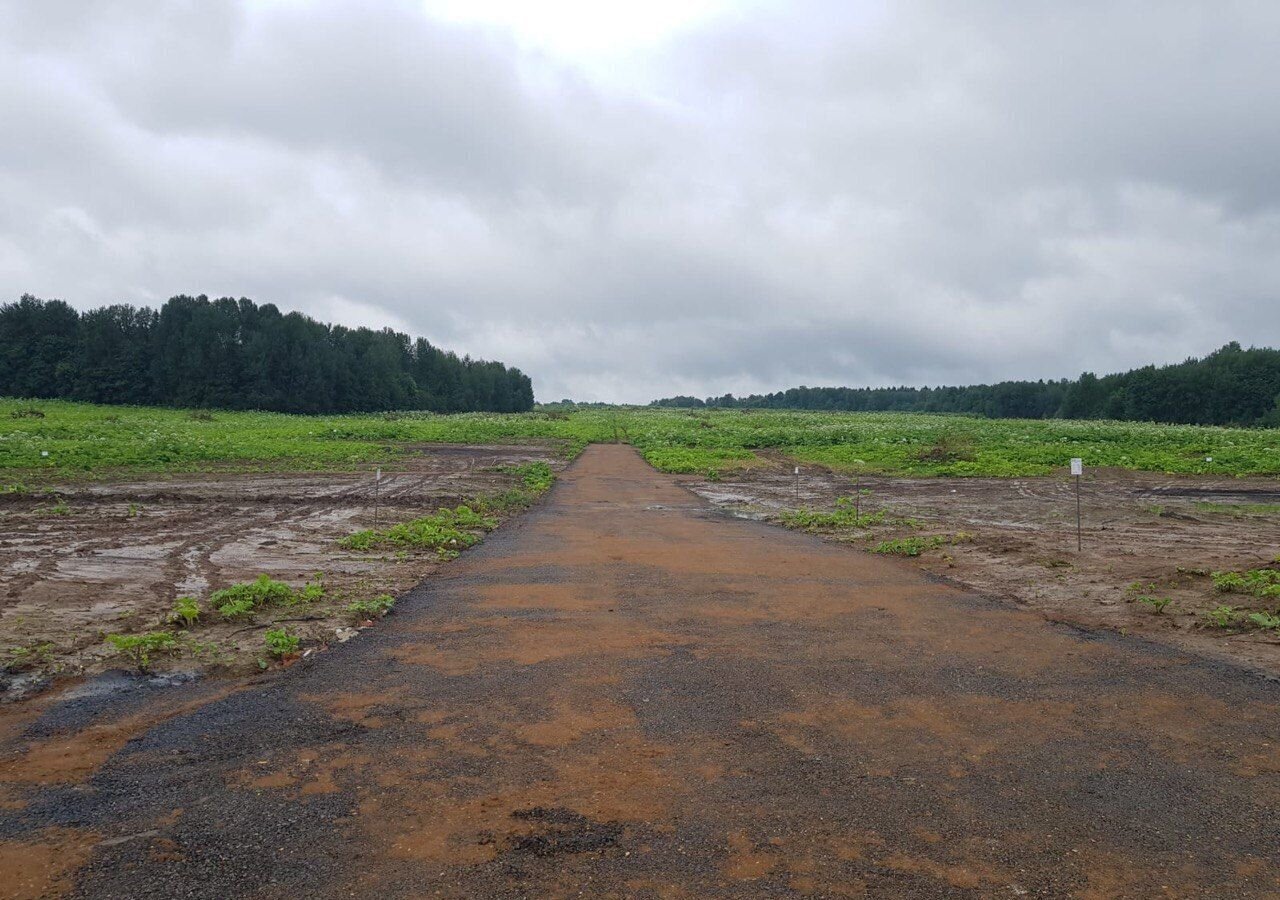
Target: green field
44, 440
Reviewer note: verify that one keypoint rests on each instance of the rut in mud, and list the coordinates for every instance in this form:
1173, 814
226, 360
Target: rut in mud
627, 694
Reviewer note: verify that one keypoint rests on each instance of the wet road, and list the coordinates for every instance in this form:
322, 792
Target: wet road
627, 694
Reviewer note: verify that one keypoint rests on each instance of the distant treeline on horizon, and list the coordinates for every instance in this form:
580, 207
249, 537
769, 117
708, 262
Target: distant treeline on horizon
1228, 387
234, 354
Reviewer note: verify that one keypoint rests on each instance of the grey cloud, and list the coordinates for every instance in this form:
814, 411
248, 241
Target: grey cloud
809, 192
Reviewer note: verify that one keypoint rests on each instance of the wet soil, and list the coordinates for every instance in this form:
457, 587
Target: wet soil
114, 556
627, 693
1016, 539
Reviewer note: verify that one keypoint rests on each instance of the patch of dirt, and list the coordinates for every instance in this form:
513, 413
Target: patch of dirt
1143, 534
41, 866
113, 556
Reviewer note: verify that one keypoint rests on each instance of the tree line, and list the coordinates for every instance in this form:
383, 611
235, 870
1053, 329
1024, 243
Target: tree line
1230, 386
235, 354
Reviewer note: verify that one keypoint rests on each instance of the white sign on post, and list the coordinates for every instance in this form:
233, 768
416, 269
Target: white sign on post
1077, 466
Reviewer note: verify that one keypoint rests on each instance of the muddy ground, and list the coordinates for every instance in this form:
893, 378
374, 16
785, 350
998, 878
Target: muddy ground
111, 556
1016, 539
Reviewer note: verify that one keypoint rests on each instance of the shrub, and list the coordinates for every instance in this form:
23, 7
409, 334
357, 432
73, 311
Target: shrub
186, 610
1258, 582
240, 600
378, 606
236, 609
312, 591
1221, 617
138, 648
1156, 603
1265, 620
950, 446
280, 642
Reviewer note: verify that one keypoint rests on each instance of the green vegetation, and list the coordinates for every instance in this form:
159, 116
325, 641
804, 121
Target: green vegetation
1156, 603
311, 592
913, 545
846, 515
449, 530
1221, 616
19, 659
372, 609
1240, 510
186, 610
280, 642
536, 477
1266, 621
240, 600
1258, 582
234, 354
697, 460
139, 648
1232, 616
86, 439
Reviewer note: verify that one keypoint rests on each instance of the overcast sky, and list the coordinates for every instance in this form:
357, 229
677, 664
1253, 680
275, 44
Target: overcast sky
637, 200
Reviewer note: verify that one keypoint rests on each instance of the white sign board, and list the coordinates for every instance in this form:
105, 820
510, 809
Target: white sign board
797, 470
1077, 466
378, 476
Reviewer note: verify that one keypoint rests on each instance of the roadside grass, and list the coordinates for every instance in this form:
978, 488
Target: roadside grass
447, 532
912, 545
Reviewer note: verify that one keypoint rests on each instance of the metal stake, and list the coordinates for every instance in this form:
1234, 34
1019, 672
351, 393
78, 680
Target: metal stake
1079, 539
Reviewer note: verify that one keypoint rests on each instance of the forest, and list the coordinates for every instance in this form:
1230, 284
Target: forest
1230, 386
235, 354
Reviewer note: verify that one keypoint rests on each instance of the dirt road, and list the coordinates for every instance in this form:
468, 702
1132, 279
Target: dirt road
629, 694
